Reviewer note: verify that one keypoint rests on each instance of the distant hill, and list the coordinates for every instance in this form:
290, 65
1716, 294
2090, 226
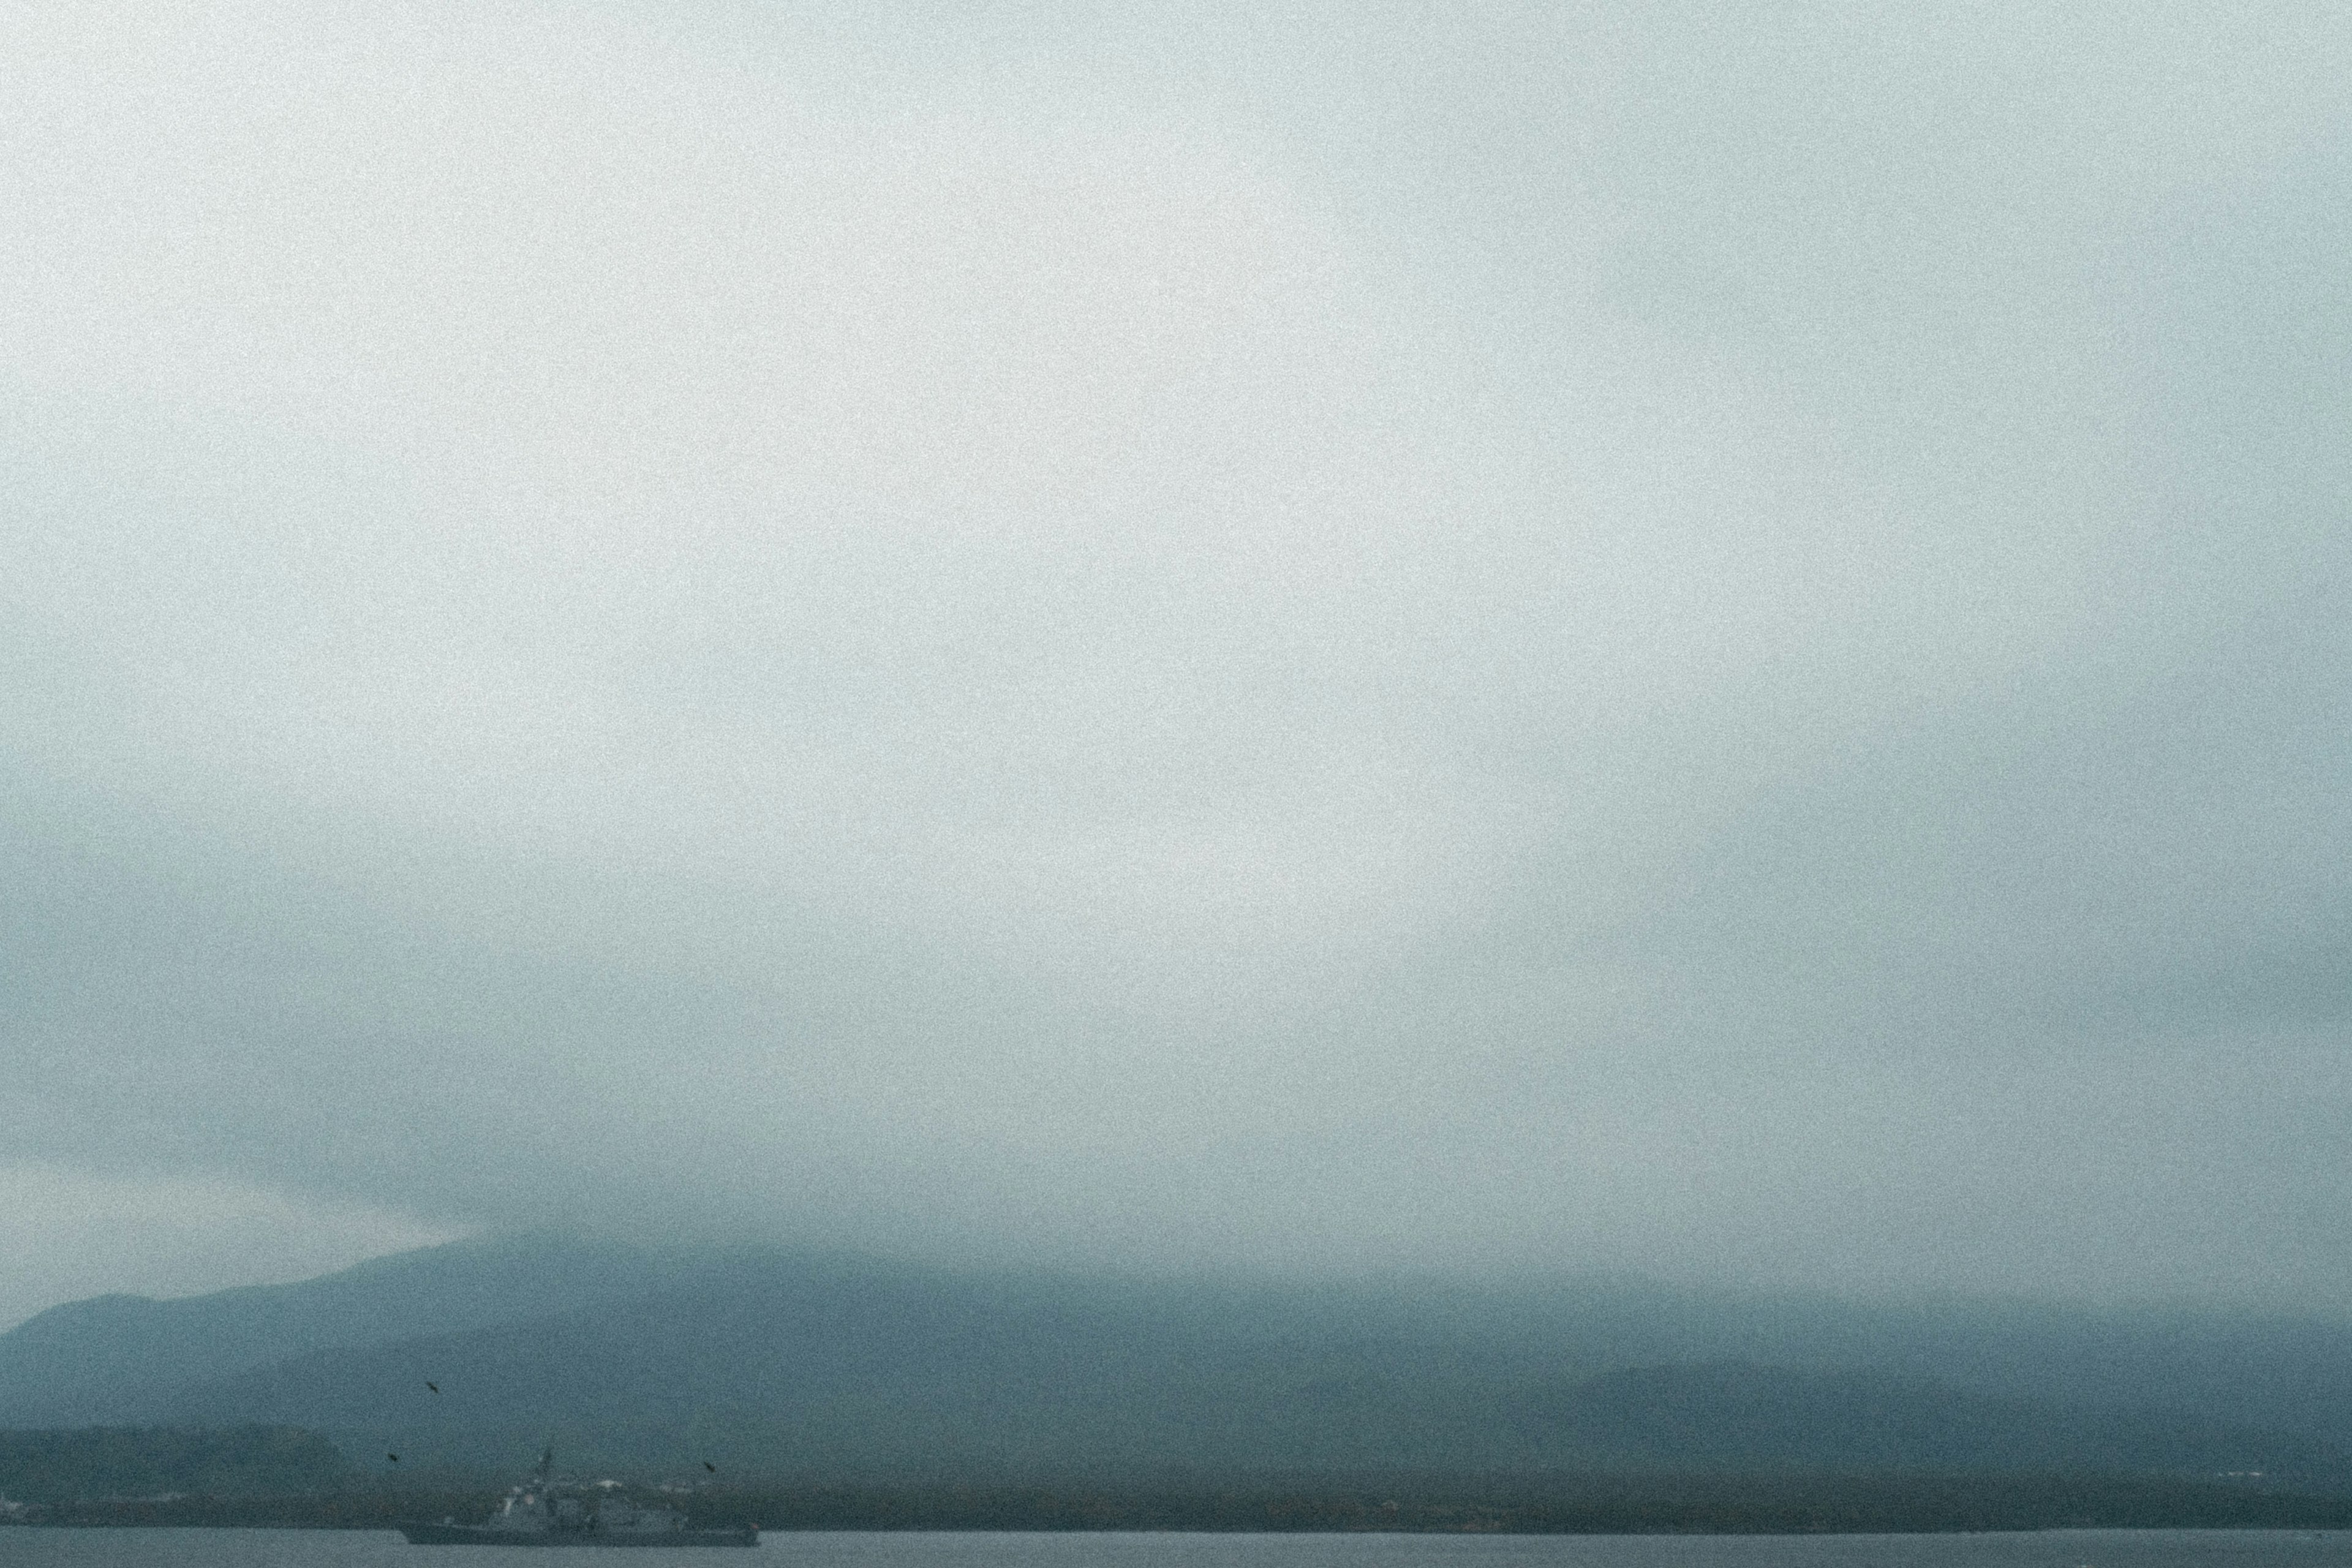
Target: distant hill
143, 1462
116, 1358
1739, 1416
826, 1367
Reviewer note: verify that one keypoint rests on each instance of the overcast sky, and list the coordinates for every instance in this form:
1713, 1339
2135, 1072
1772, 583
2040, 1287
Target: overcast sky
1690, 638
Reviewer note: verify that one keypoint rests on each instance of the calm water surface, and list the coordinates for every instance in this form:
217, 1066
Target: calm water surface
2058, 1548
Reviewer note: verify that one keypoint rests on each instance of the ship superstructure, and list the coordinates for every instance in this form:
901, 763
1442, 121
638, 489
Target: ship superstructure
543, 1511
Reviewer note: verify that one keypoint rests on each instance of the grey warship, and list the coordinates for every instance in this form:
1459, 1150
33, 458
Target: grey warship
542, 1512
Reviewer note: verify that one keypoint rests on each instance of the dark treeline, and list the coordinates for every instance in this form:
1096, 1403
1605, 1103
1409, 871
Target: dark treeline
330, 1510
1604, 1504
1555, 1505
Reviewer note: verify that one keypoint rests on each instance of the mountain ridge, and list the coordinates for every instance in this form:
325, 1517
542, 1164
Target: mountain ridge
828, 1364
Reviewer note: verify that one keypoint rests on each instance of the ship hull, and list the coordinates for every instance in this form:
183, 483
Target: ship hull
482, 1535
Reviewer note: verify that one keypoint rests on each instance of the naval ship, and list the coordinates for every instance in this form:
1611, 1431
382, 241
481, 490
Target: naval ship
541, 1511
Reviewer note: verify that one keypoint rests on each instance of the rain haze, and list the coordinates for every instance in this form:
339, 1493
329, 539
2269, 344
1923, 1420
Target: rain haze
1694, 640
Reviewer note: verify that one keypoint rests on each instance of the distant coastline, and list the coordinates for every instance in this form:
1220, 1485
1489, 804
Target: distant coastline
1589, 1505
828, 1391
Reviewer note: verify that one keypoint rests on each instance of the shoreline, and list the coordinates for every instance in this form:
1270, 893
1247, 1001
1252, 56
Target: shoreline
1778, 1505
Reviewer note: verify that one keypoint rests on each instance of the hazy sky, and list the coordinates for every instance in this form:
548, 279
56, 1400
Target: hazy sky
1702, 638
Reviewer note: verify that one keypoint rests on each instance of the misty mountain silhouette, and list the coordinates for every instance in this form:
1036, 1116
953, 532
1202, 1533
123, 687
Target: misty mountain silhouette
109, 1358
835, 1366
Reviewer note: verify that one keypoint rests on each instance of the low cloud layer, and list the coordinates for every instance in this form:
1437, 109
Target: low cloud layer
1539, 642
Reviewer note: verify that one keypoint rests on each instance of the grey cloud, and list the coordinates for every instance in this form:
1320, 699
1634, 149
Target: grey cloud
1535, 640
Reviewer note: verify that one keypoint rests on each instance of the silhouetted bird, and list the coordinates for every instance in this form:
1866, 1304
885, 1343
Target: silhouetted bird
711, 1468
393, 1457
433, 1386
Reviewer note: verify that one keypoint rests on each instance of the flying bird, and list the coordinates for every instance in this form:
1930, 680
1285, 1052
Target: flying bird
433, 1386
393, 1457
711, 1468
